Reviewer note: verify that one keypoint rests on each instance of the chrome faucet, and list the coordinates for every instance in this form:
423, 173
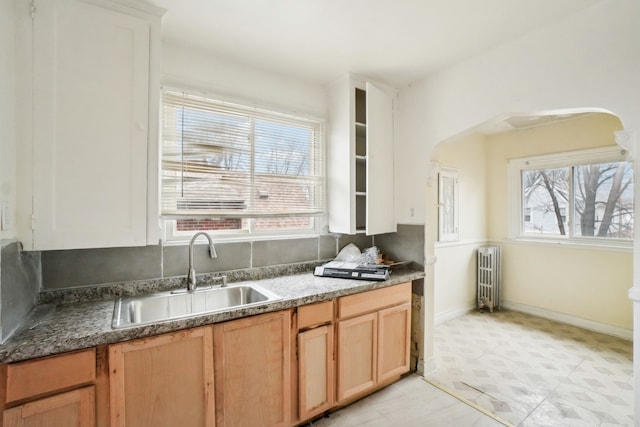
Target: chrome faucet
191, 275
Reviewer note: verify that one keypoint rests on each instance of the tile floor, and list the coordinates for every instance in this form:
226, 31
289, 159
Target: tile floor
411, 401
525, 370
531, 371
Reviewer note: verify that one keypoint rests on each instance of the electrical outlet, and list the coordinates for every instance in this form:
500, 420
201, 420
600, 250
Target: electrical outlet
5, 221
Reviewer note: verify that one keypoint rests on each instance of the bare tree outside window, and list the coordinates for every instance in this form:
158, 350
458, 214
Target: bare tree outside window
604, 200
546, 192
599, 199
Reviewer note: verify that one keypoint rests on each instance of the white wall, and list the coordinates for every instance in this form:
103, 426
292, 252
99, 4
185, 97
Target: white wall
589, 59
7, 113
190, 69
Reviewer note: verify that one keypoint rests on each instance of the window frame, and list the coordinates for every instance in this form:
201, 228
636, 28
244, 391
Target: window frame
168, 225
448, 209
567, 159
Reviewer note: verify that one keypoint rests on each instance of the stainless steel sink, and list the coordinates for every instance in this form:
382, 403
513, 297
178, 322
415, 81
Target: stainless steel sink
143, 310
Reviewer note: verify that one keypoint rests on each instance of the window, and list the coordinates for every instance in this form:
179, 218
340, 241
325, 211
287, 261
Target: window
577, 196
232, 169
448, 205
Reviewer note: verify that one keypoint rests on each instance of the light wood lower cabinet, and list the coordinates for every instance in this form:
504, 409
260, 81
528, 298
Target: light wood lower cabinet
74, 408
373, 348
357, 355
41, 376
316, 366
253, 371
237, 373
394, 339
56, 391
166, 380
315, 371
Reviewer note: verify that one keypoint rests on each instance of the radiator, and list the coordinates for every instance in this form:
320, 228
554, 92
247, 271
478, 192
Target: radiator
488, 278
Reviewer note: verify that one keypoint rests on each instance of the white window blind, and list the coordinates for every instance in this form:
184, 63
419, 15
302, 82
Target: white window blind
223, 160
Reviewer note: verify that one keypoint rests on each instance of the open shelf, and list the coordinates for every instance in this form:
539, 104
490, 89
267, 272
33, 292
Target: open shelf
360, 158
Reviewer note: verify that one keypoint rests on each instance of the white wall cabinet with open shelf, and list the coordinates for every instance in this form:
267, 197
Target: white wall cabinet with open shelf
360, 157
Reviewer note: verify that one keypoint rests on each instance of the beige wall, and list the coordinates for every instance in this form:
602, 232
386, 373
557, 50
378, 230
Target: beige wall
584, 284
590, 131
589, 284
468, 156
566, 282
454, 280
454, 270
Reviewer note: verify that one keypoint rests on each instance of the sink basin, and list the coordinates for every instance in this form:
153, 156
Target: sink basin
143, 310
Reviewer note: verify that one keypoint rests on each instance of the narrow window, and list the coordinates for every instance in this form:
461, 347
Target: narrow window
448, 199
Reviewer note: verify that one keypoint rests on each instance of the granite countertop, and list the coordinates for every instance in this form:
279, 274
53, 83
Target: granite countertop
57, 327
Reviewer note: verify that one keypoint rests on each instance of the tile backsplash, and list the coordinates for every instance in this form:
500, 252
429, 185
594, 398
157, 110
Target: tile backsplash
24, 274
21, 282
84, 267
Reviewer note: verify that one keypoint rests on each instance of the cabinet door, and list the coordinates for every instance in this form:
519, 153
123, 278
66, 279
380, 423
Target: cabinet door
166, 380
315, 371
71, 409
90, 118
253, 371
341, 146
394, 337
379, 214
357, 355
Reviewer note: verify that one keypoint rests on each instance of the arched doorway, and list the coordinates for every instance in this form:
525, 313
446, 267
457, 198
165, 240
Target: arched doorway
480, 156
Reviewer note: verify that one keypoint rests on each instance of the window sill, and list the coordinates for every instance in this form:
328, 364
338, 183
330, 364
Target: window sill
616, 246
178, 241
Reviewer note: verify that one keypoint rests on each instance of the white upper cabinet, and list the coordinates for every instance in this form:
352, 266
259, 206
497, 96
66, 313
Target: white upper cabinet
360, 158
94, 125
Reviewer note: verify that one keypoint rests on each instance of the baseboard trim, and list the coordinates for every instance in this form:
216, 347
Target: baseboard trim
591, 325
603, 328
428, 367
452, 314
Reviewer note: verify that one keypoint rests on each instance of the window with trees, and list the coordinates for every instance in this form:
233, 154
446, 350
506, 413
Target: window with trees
233, 169
579, 195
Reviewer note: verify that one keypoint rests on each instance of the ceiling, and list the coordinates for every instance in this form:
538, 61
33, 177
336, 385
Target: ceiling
396, 41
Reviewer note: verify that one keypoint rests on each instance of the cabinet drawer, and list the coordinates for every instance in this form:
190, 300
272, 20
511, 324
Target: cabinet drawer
74, 408
365, 302
315, 314
35, 377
